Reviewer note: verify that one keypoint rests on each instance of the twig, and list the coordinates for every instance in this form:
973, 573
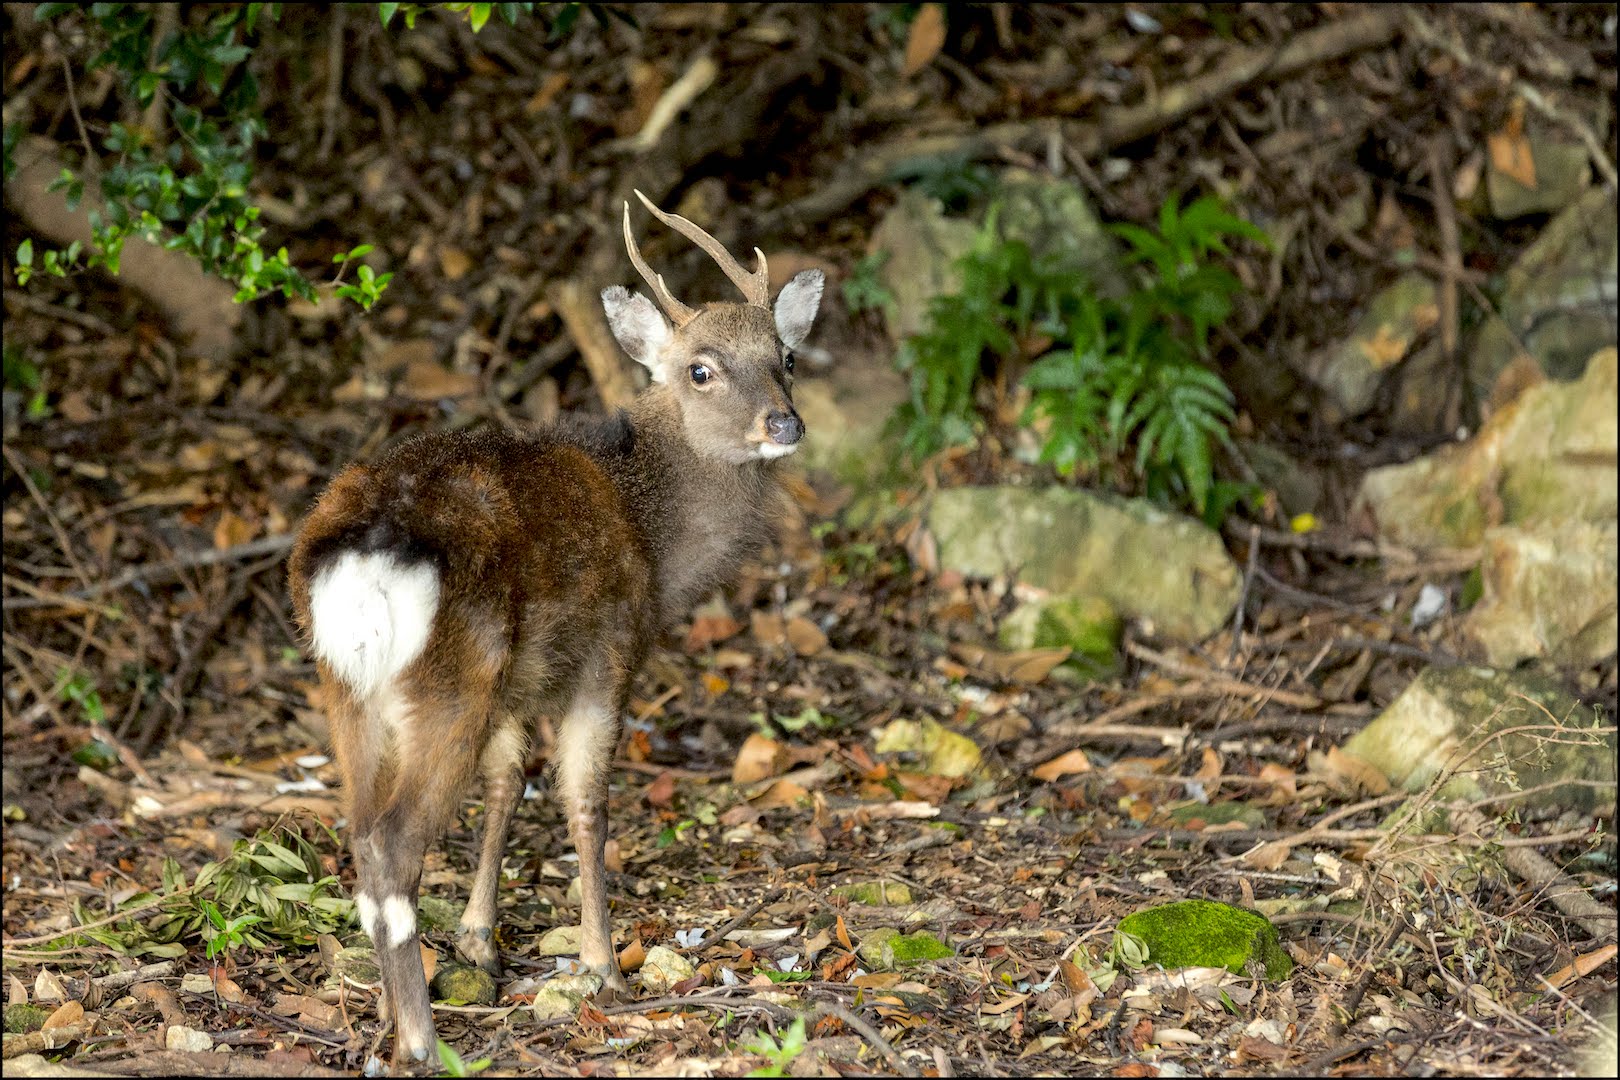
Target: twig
580, 310
50, 515
748, 913
870, 1034
334, 86
1224, 683
1115, 126
1451, 262
81, 319
1243, 596
41, 939
1397, 927
1535, 869
166, 22
92, 164
269, 545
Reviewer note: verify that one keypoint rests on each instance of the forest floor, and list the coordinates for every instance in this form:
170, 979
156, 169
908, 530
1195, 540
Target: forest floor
157, 705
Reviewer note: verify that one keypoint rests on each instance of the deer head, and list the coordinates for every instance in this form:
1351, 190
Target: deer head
729, 366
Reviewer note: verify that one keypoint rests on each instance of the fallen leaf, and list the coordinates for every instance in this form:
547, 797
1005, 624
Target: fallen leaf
233, 530
759, 757
1583, 965
782, 793
805, 636
711, 623
1510, 148
661, 792
454, 263
927, 37
1011, 1002
841, 932
769, 627
1075, 761
632, 956
70, 1013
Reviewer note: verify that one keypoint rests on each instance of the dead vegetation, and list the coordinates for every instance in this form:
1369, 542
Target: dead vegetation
156, 701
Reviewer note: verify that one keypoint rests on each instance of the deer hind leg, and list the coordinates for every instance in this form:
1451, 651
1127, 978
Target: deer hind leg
584, 757
393, 825
502, 766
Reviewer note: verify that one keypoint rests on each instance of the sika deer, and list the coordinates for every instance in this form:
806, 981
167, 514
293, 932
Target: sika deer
467, 583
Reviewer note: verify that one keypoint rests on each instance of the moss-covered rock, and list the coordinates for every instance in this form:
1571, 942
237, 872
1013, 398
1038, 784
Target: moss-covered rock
463, 984
436, 913
1203, 933
870, 949
903, 949
1447, 711
561, 996
875, 892
1089, 625
1221, 813
22, 1018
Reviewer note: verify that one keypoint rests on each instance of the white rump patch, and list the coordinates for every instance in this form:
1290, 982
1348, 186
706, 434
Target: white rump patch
400, 915
371, 617
768, 450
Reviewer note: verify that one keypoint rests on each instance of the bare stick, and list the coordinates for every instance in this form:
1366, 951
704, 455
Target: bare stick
334, 85
870, 1034
1534, 868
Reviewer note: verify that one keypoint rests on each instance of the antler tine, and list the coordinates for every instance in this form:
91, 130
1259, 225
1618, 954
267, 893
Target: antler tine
755, 286
678, 312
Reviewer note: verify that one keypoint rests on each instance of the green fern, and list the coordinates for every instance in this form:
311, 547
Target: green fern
1124, 374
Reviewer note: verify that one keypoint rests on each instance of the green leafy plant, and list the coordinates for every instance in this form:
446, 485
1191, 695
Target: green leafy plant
1121, 374
779, 1056
225, 935
863, 291
452, 1061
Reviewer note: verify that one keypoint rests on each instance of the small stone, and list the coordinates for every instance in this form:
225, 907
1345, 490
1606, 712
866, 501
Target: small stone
562, 995
560, 941
875, 892
436, 913
187, 1040
463, 984
195, 982
663, 968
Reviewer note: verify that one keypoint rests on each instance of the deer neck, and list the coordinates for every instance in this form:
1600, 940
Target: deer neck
702, 516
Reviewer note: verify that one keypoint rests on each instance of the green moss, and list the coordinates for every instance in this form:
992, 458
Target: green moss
1473, 589
22, 1018
1087, 624
1220, 813
903, 949
875, 892
870, 950
460, 983
1202, 933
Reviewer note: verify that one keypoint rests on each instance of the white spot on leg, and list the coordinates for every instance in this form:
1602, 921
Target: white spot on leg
400, 915
368, 915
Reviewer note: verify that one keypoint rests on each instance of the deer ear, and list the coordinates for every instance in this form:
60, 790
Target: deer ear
637, 325
796, 306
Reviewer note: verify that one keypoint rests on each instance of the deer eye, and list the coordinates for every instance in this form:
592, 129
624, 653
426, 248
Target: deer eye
787, 363
700, 373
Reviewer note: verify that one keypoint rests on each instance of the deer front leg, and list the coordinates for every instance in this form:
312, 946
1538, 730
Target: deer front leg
585, 744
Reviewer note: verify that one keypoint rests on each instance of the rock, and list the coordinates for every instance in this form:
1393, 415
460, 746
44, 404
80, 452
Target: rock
1202, 933
562, 995
944, 752
846, 413
1597, 1057
1087, 624
559, 941
1166, 568
357, 966
1055, 219
1546, 459
875, 892
870, 950
923, 246
187, 1040
1548, 594
1558, 299
21, 1018
1447, 711
1298, 488
436, 913
1221, 813
464, 984
663, 968
1351, 373
1563, 171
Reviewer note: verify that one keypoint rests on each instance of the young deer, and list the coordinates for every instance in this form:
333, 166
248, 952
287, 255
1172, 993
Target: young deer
467, 583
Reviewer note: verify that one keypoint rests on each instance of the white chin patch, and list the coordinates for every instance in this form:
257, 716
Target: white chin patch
775, 450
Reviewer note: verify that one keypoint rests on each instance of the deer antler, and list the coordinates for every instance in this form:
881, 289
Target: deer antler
678, 312
755, 286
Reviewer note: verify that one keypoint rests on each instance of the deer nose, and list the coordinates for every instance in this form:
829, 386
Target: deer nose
784, 427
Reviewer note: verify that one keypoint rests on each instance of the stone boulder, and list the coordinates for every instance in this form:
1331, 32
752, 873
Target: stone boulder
1447, 718
1351, 373
1167, 569
1558, 301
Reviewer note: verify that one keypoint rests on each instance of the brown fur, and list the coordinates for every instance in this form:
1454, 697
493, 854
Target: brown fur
560, 556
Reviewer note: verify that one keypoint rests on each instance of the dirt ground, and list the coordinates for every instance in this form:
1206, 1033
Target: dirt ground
158, 710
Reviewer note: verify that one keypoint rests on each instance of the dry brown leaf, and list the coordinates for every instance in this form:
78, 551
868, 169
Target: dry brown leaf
632, 956
554, 84
1004, 1005
1358, 776
805, 636
715, 684
427, 381
1075, 761
1584, 964
454, 263
1510, 148
70, 1013
1033, 665
1268, 856
708, 629
759, 757
232, 530
782, 793
841, 932
879, 980
768, 627
927, 37
661, 792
